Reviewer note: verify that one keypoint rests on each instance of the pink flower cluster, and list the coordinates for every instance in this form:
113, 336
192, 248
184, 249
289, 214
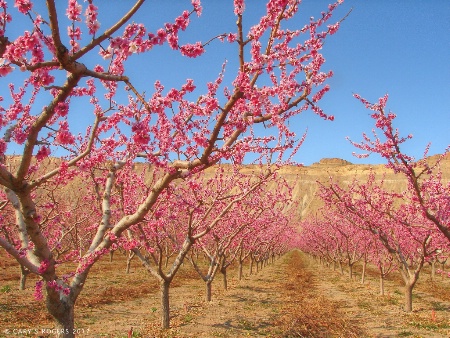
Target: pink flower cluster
443, 273
192, 50
239, 7
24, 6
53, 284
63, 135
91, 19
197, 7
73, 11
42, 153
38, 290
44, 266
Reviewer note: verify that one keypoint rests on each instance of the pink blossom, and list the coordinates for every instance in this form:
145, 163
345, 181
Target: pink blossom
197, 7
5, 70
231, 37
3, 147
183, 20
43, 267
91, 19
38, 290
42, 153
192, 50
24, 6
73, 11
63, 136
333, 28
239, 7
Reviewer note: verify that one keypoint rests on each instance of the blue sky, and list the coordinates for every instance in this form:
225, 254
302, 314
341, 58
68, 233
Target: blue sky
397, 47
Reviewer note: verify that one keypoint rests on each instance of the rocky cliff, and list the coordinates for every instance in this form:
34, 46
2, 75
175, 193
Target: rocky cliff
304, 179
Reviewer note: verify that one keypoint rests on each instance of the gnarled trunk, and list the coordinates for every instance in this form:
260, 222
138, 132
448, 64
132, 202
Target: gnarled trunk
63, 313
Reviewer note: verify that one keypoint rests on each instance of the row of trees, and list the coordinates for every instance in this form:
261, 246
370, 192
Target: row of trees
366, 221
73, 95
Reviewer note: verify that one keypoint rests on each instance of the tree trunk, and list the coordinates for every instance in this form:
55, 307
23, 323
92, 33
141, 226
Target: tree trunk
225, 281
165, 306
363, 274
111, 255
23, 277
350, 271
63, 314
251, 266
208, 290
408, 296
240, 270
130, 256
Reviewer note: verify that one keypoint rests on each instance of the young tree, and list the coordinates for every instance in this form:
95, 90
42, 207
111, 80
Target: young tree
396, 223
428, 189
186, 213
262, 211
72, 95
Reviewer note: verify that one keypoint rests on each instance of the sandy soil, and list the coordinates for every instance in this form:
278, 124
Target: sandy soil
292, 297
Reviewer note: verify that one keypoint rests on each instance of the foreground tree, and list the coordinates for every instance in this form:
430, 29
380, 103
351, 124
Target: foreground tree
71, 95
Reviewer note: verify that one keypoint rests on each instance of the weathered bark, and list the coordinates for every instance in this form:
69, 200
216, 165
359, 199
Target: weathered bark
208, 296
165, 306
63, 313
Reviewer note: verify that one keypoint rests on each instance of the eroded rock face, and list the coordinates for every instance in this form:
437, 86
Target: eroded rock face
305, 179
332, 162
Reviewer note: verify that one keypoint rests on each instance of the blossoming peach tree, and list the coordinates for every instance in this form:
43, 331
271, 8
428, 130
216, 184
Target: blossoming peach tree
71, 93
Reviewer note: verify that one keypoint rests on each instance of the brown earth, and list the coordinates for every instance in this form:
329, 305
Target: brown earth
292, 297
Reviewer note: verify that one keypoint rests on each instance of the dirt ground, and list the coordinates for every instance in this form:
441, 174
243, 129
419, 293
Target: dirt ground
293, 297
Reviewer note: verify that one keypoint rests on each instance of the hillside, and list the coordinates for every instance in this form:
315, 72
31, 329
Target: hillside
304, 179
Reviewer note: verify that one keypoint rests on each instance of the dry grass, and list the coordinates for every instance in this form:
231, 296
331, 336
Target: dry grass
307, 314
291, 298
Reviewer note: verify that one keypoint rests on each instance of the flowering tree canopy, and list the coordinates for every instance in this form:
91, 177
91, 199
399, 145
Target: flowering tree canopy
72, 95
